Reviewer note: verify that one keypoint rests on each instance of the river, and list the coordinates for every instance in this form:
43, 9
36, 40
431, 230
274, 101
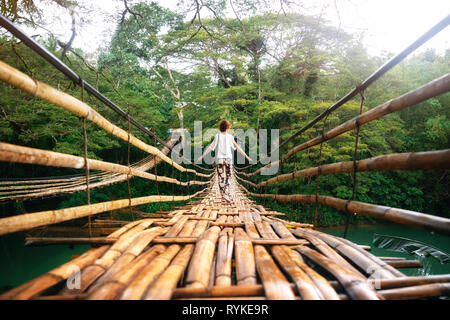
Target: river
19, 264
363, 235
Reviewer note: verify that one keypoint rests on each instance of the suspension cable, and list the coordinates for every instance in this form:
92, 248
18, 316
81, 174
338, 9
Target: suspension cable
355, 154
86, 163
320, 172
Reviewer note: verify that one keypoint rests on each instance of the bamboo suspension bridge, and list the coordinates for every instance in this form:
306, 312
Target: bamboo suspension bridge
209, 248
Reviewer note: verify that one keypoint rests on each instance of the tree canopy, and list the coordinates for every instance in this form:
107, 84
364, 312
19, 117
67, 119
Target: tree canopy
257, 68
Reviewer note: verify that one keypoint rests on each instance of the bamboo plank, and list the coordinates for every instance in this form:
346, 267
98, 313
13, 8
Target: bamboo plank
276, 286
305, 285
244, 258
224, 258
325, 289
98, 290
200, 266
163, 287
219, 291
411, 281
417, 292
63, 272
404, 263
358, 248
327, 251
367, 265
139, 285
355, 285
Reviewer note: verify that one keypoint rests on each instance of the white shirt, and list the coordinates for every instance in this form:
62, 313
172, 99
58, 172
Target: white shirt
224, 146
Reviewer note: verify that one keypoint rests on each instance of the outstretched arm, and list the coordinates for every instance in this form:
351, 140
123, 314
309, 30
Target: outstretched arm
210, 147
239, 149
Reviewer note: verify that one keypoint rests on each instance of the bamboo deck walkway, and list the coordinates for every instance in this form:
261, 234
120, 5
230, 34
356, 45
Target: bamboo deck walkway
210, 249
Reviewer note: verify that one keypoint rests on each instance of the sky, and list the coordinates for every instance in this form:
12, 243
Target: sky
394, 24
388, 25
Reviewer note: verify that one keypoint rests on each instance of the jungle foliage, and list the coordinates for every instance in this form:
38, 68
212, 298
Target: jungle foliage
258, 70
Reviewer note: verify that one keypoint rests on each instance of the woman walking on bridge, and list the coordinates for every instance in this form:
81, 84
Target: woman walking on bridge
224, 145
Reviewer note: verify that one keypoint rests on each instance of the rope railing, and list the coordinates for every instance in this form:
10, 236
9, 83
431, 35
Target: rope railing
50, 181
75, 184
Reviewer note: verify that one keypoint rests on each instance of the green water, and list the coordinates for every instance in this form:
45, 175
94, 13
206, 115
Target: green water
19, 264
363, 235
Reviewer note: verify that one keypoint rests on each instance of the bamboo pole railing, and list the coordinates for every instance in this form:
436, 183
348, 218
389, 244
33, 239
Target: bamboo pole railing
38, 219
78, 183
37, 181
429, 160
45, 92
388, 65
14, 153
432, 89
407, 217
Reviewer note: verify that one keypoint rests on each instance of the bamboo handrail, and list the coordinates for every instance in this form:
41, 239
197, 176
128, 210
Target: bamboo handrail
106, 178
42, 218
15, 153
38, 181
43, 91
375, 75
429, 160
407, 217
433, 88
40, 187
